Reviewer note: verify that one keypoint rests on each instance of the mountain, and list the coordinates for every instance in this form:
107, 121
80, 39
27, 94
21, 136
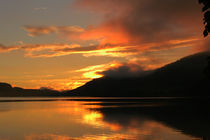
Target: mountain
6, 90
183, 78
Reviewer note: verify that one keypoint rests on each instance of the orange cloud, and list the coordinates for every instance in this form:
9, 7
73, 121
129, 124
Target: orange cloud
126, 30
129, 28
134, 67
112, 50
79, 77
75, 79
138, 61
7, 49
57, 84
44, 30
53, 50
93, 72
136, 22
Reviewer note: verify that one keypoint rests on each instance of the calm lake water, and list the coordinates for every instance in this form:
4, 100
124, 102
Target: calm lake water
103, 119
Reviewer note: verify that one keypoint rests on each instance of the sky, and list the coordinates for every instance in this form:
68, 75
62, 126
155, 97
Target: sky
64, 44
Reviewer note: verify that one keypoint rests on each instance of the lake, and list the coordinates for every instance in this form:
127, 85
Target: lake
104, 119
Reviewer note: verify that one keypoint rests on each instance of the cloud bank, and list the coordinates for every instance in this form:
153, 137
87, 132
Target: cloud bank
137, 21
111, 50
130, 27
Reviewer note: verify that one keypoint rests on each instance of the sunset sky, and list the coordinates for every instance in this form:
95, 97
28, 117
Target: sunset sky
62, 44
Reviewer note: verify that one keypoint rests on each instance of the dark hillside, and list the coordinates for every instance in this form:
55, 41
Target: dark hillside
184, 77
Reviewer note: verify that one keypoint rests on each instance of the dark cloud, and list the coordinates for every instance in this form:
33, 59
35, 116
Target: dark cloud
134, 68
132, 26
129, 27
145, 26
151, 20
123, 71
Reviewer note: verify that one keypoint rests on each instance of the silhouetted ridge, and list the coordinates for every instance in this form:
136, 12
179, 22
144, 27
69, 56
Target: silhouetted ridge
6, 90
5, 85
184, 77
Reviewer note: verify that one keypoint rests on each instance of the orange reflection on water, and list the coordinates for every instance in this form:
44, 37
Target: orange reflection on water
92, 117
80, 120
87, 115
96, 119
77, 108
88, 137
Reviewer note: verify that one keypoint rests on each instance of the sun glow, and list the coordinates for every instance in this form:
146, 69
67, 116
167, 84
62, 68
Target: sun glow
92, 75
93, 72
92, 117
88, 116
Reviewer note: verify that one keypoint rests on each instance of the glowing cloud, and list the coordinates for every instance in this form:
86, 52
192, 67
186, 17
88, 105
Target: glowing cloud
44, 30
93, 72
112, 50
130, 29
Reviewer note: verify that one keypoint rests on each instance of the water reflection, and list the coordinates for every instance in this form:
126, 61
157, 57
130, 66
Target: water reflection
101, 119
